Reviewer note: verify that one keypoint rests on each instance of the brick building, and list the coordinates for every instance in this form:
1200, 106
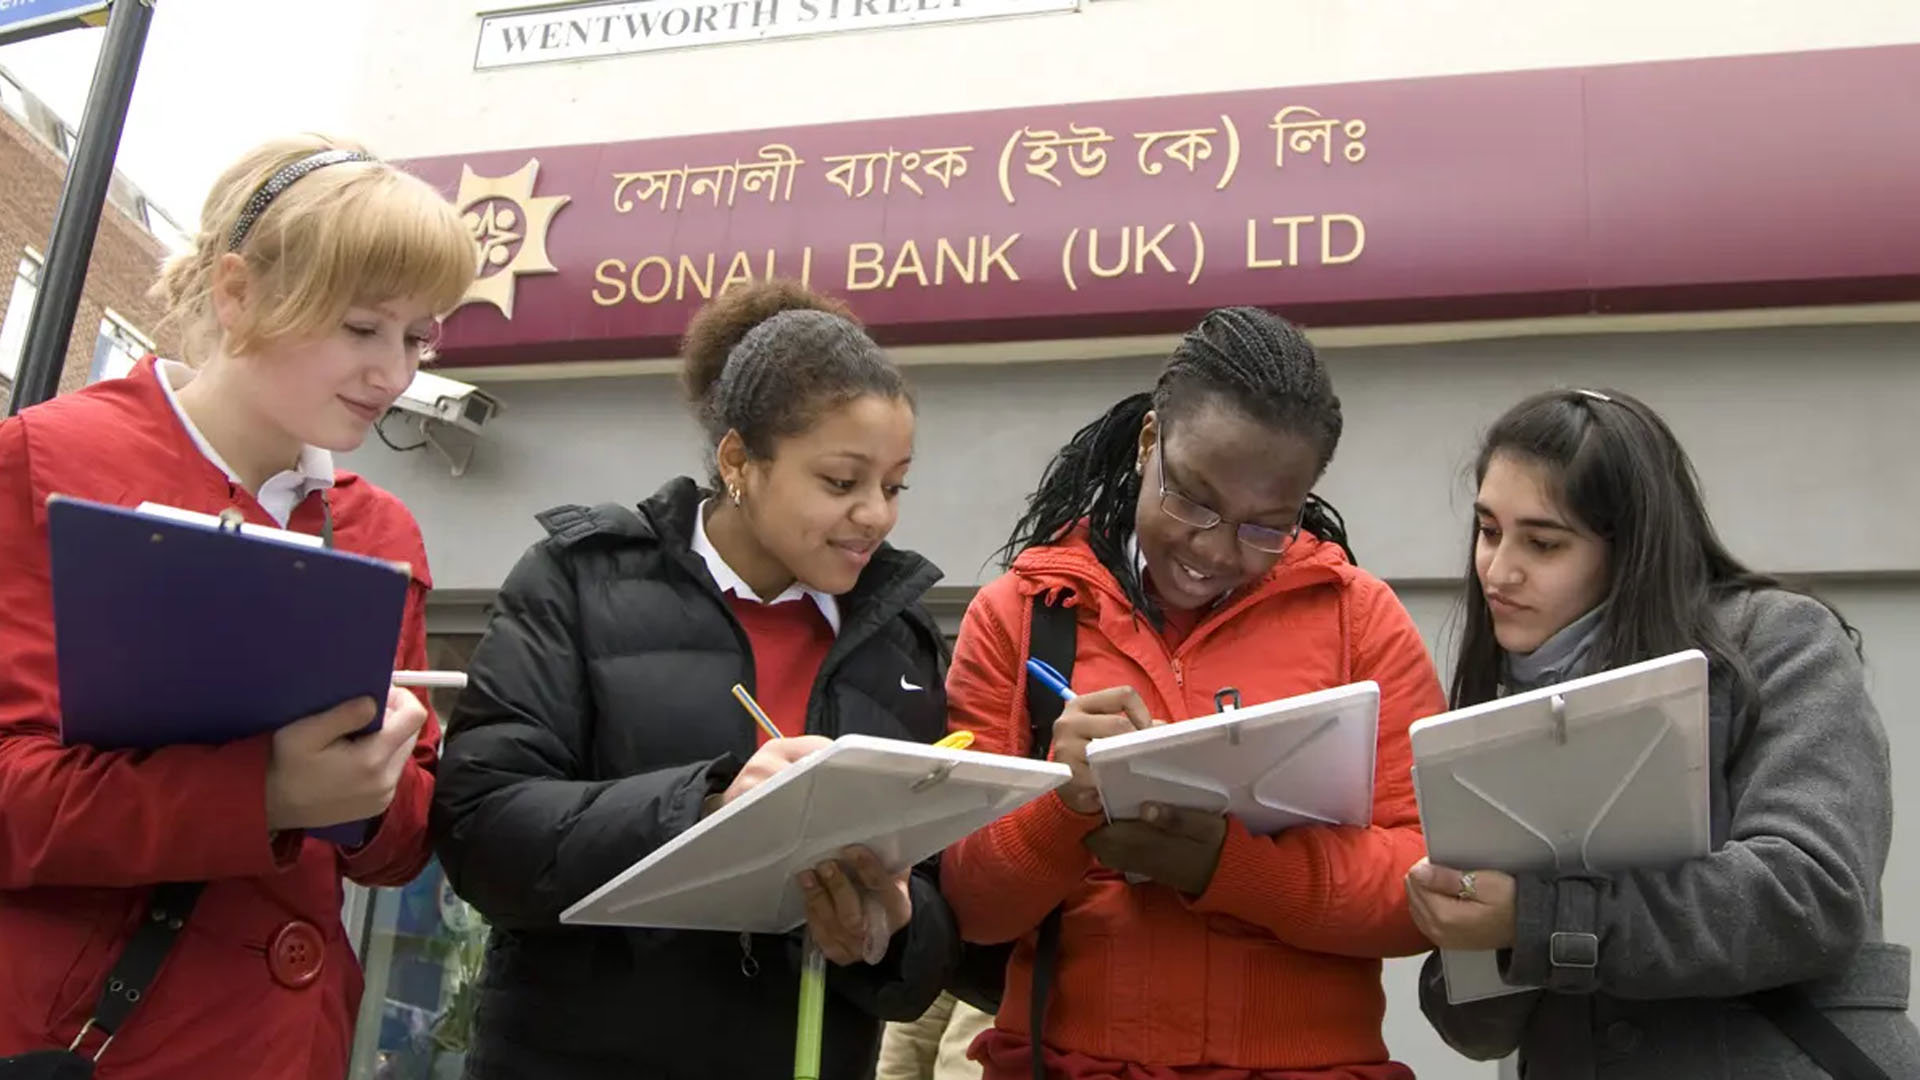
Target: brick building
116, 321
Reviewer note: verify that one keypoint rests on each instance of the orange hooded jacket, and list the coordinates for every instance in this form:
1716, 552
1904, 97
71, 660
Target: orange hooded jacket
1277, 965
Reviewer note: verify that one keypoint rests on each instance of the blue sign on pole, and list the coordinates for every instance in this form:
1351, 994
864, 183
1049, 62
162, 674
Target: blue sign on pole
23, 19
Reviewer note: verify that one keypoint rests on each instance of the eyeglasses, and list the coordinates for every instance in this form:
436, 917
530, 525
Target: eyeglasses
1187, 512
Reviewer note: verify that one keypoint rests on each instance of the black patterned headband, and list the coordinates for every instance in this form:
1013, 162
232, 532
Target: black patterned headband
281, 181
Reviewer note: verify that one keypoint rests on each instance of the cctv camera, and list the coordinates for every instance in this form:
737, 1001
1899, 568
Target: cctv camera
449, 401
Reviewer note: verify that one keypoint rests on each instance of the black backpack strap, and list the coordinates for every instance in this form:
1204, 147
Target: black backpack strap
140, 961
1052, 638
1046, 957
1790, 1010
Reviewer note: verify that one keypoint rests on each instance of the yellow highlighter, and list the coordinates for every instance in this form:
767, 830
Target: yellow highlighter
959, 740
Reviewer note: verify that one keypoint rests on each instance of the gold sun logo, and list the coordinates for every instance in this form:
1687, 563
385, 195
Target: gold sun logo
510, 224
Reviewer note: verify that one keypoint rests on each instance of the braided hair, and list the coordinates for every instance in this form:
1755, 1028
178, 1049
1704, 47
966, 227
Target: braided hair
769, 359
1244, 357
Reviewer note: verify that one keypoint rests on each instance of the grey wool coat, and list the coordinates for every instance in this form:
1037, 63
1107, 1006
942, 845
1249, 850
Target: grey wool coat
1802, 820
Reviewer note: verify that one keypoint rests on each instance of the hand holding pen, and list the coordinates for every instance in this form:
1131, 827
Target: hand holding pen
778, 752
854, 904
1086, 717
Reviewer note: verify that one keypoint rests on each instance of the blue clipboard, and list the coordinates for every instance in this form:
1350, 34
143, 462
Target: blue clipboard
174, 633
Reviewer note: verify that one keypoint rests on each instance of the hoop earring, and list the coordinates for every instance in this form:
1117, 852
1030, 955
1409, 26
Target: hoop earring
733, 492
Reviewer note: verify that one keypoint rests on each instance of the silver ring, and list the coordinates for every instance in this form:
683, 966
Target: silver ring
1466, 887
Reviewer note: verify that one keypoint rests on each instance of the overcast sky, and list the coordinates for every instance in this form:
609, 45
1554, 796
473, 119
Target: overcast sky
217, 77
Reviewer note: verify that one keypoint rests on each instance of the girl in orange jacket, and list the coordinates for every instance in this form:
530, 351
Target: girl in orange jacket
1182, 529
305, 302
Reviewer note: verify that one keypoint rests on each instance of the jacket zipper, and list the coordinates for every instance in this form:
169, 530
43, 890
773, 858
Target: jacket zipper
749, 966
1208, 625
822, 718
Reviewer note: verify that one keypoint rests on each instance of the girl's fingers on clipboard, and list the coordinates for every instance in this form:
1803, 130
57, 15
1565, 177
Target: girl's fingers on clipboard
405, 716
836, 915
1114, 701
892, 892
1456, 914
854, 906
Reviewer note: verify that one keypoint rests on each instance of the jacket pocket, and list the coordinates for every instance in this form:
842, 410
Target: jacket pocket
58, 945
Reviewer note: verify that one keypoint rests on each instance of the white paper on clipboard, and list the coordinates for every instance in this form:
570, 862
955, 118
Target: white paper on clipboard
735, 870
1602, 773
1296, 761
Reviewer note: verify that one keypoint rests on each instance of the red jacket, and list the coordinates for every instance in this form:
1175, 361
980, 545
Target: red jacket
84, 832
1277, 965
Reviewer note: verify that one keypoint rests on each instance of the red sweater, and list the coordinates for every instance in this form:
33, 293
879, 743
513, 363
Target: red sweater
789, 642
1277, 966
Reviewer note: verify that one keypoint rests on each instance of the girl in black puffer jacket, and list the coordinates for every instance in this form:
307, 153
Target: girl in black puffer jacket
598, 723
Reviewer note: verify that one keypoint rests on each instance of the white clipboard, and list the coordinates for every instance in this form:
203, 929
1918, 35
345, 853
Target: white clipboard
1603, 773
1302, 760
735, 870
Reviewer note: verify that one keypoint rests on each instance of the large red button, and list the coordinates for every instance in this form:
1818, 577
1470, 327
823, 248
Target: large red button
296, 954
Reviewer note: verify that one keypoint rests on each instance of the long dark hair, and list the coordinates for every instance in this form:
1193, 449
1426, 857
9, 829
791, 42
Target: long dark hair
1250, 359
1617, 468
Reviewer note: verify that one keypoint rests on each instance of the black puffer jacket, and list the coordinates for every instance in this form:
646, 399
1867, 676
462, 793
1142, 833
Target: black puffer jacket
597, 719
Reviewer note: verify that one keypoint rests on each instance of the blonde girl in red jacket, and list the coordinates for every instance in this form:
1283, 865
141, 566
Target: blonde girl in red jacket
1182, 528
304, 305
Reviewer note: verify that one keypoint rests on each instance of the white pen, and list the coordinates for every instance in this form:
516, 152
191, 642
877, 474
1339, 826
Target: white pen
432, 680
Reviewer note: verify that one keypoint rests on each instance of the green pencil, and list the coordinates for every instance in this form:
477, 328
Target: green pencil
813, 965
813, 1003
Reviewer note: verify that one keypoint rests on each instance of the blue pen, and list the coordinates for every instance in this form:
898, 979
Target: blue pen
1050, 678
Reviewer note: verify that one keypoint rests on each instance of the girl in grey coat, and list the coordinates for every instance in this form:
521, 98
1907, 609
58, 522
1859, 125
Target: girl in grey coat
1593, 550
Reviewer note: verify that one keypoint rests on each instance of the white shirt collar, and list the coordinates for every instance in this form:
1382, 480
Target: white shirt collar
731, 582
282, 492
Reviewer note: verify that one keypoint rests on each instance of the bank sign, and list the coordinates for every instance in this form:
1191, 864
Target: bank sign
586, 31
1685, 185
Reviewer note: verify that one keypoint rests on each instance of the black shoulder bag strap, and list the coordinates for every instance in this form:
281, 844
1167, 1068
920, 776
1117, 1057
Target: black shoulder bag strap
126, 984
1052, 639
1817, 1036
